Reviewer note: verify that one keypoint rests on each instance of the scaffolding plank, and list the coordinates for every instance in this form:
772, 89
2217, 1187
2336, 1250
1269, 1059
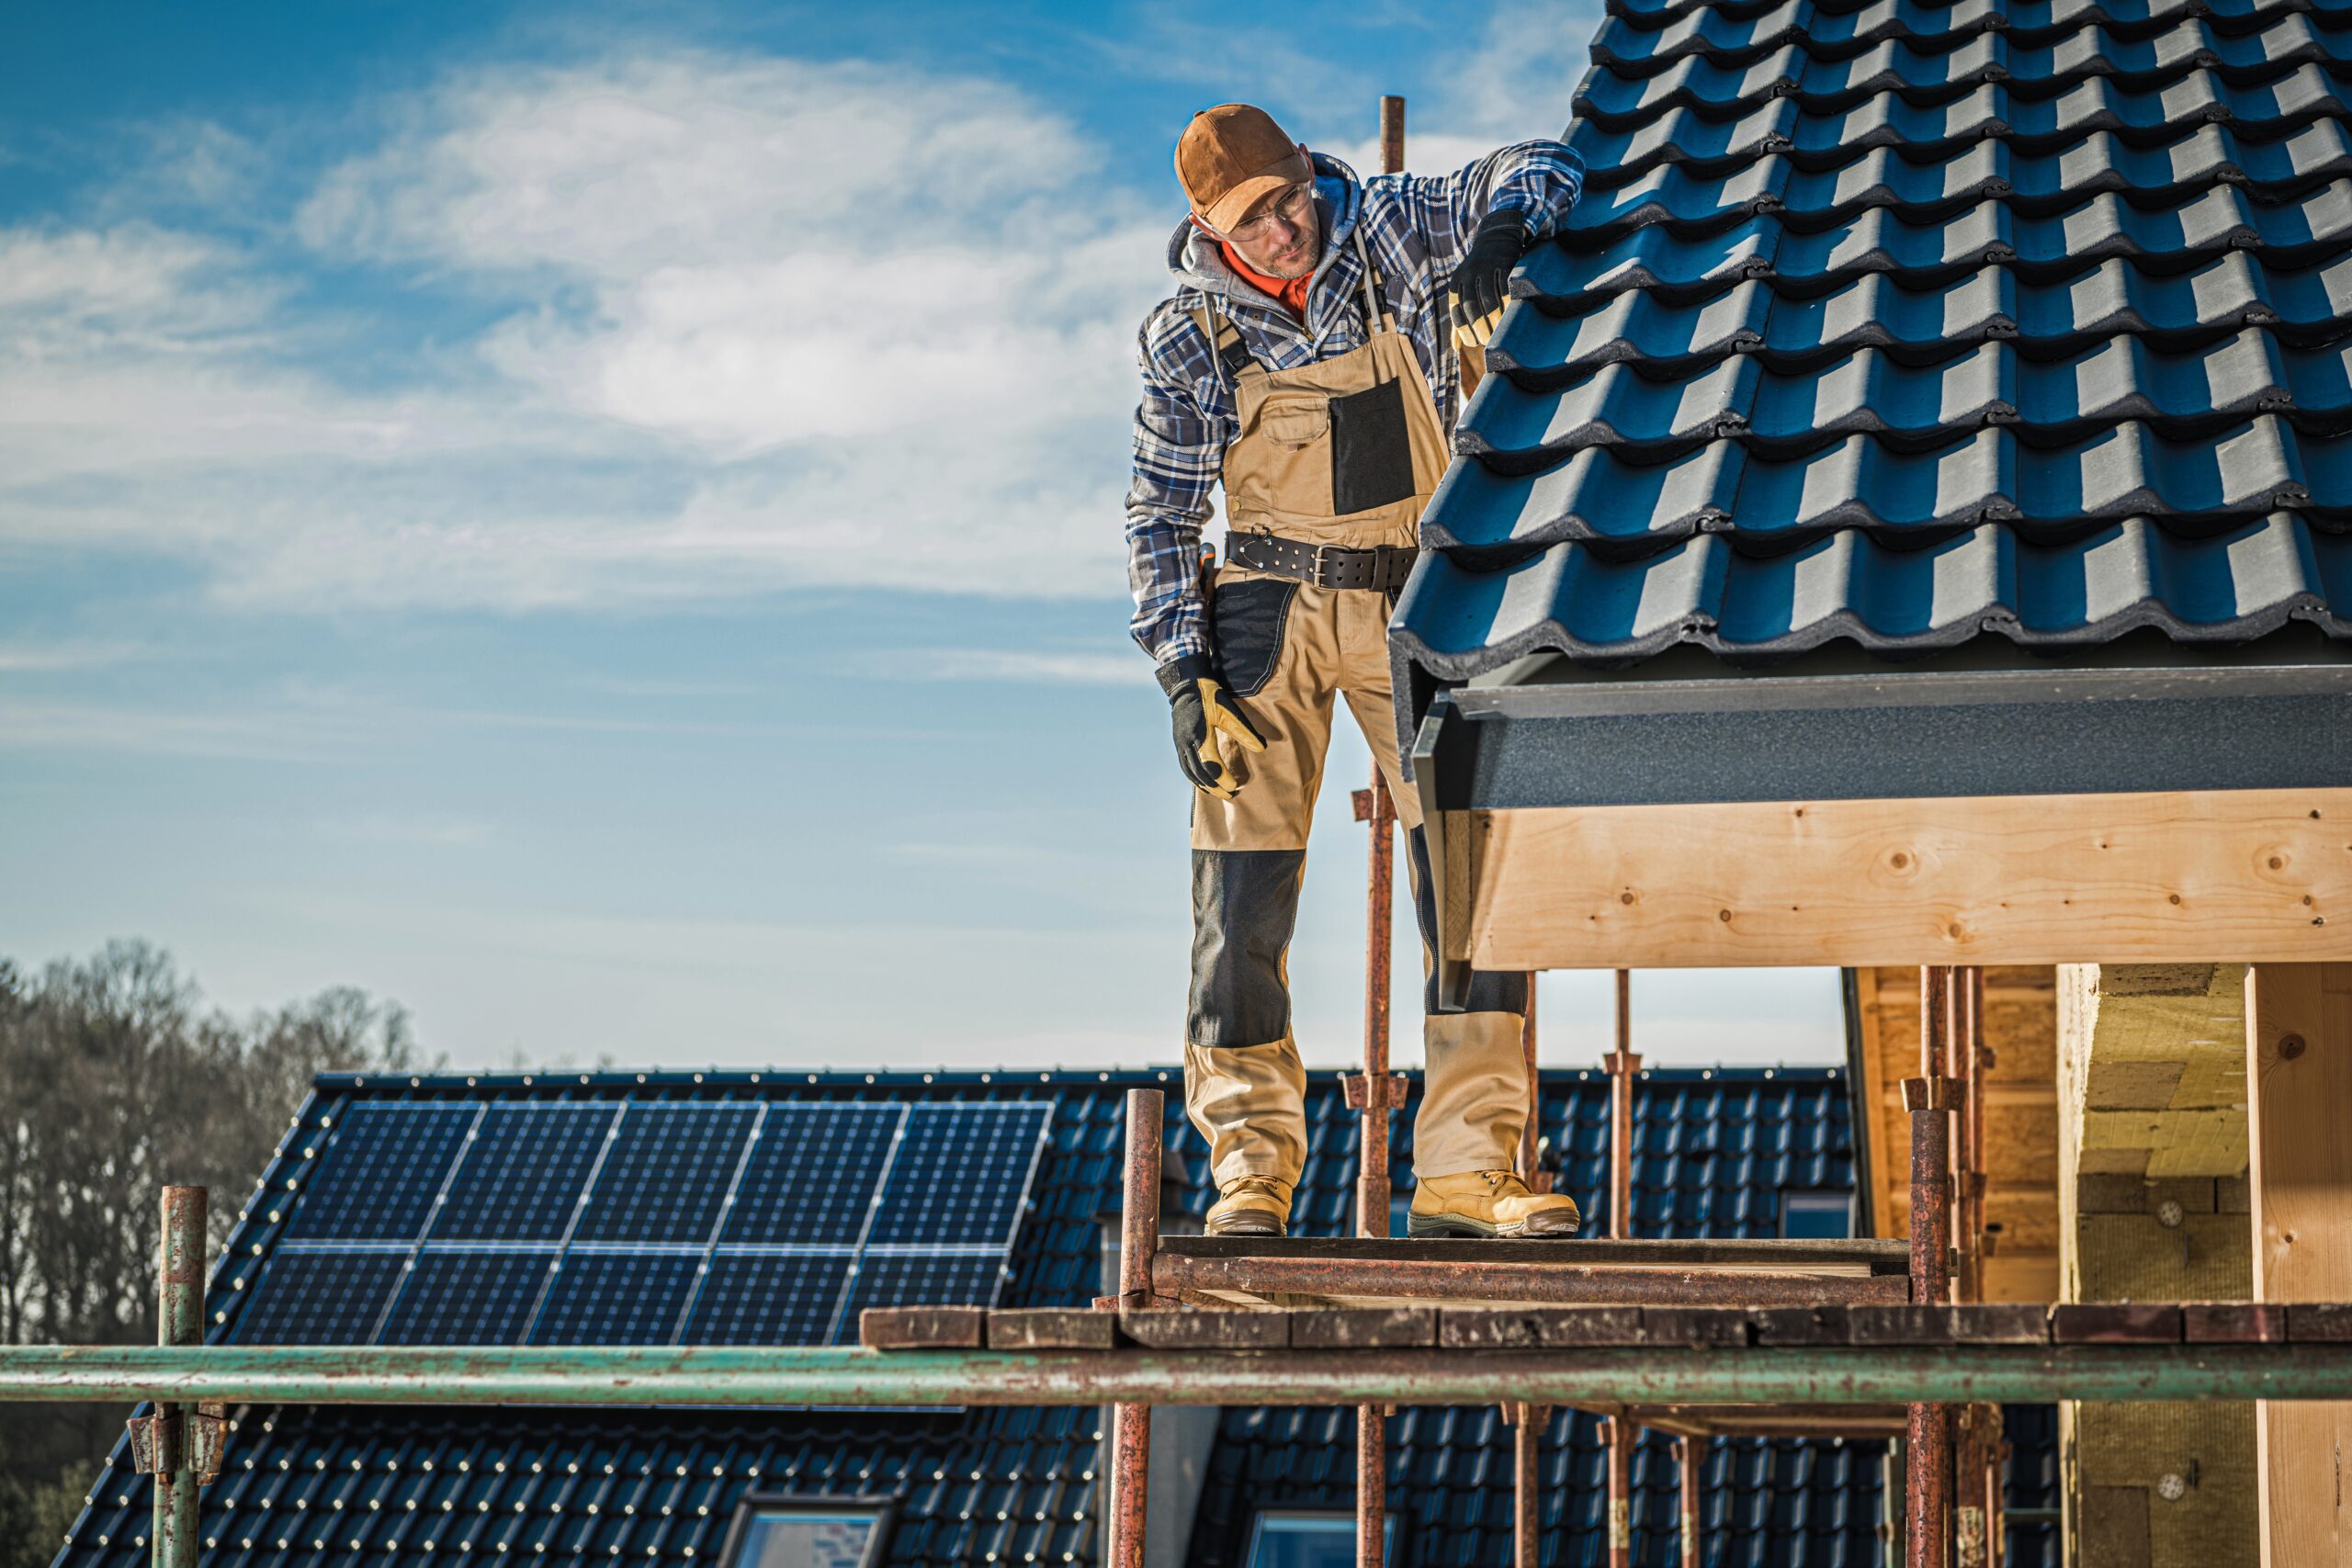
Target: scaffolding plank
1707, 1329
1283, 1281
1862, 1255
2005, 1323
2233, 1322
921, 1327
2115, 1323
1801, 1326
1363, 1328
1051, 1328
2319, 1323
1538, 1328
1211, 1330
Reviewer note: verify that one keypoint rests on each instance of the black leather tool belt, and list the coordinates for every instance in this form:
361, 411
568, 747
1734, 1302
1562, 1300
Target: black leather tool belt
1383, 567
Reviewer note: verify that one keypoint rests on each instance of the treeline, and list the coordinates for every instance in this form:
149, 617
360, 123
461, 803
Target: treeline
115, 1080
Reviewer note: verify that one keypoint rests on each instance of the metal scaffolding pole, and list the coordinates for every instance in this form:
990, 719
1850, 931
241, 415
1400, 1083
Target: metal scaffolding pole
1621, 1434
1930, 1098
180, 1324
1138, 1239
1527, 1423
1622, 1064
1843, 1375
1375, 807
1686, 1461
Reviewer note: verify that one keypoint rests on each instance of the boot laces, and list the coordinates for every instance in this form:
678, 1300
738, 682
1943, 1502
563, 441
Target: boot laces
1264, 1185
1506, 1184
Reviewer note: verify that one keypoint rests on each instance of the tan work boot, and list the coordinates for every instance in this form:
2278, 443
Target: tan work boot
1250, 1205
1487, 1203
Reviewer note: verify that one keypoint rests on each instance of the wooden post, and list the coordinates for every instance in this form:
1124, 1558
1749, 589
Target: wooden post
2299, 1116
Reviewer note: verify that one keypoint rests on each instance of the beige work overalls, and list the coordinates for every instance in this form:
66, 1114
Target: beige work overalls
1344, 452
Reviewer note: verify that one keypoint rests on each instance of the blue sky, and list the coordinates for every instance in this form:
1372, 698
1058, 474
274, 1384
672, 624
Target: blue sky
606, 529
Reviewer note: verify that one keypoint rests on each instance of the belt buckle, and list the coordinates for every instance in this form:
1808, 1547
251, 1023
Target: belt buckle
1315, 567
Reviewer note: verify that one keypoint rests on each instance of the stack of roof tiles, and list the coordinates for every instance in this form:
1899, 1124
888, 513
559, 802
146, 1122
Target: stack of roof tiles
417, 1484
1904, 324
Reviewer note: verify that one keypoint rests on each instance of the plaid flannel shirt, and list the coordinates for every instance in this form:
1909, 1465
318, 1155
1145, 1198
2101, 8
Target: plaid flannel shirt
1416, 229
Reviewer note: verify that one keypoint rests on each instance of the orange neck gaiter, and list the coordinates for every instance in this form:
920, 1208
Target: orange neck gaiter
1290, 293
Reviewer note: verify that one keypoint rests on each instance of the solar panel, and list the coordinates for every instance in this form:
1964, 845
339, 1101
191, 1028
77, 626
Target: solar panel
919, 1279
378, 1174
523, 1172
589, 1221
960, 1175
811, 1174
767, 1298
468, 1296
320, 1298
616, 1297
666, 1173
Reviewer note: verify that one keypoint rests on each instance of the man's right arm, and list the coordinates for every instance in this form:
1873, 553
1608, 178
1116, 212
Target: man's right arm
1178, 454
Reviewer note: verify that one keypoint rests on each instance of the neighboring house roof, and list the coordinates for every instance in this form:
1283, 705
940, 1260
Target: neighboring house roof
1715, 1151
1995, 329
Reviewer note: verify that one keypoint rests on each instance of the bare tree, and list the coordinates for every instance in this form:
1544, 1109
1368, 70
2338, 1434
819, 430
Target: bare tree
114, 1081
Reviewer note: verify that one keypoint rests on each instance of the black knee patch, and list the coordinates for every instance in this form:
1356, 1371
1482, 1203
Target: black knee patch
1491, 990
1245, 903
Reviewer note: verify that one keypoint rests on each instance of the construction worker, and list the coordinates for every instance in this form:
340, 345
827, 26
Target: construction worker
1305, 361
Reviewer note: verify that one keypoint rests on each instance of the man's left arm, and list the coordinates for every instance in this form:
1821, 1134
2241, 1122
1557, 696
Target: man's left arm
1480, 219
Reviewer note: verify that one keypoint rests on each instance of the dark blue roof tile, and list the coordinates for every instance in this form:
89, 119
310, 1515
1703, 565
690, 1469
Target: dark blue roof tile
2055, 289
2229, 587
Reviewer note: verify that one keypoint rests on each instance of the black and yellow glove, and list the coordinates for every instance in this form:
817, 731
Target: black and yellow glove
1481, 284
1203, 712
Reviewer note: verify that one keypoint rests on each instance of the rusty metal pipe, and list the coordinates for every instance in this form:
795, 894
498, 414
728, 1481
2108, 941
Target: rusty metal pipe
1531, 1131
1686, 1460
1526, 1497
1621, 1436
1929, 1100
1373, 1191
1622, 1064
1928, 1486
179, 1324
1372, 1485
1179, 1274
1139, 1245
1843, 1376
1377, 808
1968, 1490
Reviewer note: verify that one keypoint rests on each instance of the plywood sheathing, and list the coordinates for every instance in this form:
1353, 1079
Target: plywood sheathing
2020, 1118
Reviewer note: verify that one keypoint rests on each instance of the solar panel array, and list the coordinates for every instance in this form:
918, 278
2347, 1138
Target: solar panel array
627, 1223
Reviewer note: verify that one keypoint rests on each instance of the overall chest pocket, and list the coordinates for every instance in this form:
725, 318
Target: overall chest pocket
1294, 420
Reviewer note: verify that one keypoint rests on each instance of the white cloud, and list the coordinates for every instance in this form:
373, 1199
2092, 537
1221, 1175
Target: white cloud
733, 324
766, 323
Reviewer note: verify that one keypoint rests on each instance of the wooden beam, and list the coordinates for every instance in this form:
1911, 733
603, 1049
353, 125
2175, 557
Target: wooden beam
2162, 877
2298, 1059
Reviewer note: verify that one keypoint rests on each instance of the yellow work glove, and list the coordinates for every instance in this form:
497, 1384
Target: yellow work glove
1203, 712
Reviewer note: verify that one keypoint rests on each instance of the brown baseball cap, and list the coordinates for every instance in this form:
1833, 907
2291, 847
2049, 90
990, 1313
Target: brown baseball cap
1232, 155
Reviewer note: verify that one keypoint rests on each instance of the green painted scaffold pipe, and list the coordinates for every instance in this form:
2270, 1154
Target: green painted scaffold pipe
631, 1376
